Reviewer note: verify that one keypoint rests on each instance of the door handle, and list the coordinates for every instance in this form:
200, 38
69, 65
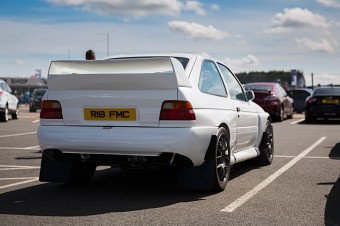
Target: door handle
238, 109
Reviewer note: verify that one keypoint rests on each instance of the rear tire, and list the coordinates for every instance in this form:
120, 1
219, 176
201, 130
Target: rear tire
219, 159
266, 146
82, 173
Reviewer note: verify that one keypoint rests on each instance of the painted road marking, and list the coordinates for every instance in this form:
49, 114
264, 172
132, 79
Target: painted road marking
29, 180
17, 134
297, 121
240, 201
20, 148
36, 121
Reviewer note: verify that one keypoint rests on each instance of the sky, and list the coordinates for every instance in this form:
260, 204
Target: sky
246, 35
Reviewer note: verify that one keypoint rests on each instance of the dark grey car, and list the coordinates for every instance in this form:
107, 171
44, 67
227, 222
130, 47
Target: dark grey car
35, 100
299, 96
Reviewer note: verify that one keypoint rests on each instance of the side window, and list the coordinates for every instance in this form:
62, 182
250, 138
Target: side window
7, 88
234, 87
210, 80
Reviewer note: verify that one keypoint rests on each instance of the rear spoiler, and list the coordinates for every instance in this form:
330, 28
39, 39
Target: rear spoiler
118, 74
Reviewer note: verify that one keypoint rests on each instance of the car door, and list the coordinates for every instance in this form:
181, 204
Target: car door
247, 117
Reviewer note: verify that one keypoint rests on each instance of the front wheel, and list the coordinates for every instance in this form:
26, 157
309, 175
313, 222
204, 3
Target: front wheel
267, 146
15, 114
219, 159
4, 115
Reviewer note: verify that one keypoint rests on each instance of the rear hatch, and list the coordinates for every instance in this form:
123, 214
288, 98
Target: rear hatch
118, 92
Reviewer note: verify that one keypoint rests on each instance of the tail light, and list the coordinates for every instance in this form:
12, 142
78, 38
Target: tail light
51, 109
271, 98
311, 100
177, 110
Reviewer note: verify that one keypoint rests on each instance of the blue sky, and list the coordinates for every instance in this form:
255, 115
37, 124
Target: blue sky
246, 35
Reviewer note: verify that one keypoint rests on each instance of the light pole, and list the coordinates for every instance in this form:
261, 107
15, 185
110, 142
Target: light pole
108, 42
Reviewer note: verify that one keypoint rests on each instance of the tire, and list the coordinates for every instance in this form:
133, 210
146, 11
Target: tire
15, 115
219, 159
33, 109
266, 146
4, 115
290, 116
81, 173
280, 117
308, 118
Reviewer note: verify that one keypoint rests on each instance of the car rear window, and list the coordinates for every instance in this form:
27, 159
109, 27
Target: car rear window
327, 91
259, 88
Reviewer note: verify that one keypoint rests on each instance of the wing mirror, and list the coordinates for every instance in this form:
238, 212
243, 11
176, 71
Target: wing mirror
250, 95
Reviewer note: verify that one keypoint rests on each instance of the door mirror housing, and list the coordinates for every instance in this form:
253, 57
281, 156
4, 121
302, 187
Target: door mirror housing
250, 95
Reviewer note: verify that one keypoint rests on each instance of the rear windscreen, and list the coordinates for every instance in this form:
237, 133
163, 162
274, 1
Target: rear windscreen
327, 91
258, 88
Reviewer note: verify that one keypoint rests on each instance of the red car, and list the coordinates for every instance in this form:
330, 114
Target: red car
273, 99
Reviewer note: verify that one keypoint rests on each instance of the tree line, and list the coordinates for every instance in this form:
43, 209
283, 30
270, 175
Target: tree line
271, 76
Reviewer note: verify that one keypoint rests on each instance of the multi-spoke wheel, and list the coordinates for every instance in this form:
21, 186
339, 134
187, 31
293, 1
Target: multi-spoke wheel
267, 146
220, 160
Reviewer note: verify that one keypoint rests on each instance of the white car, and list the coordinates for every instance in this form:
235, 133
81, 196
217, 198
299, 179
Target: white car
8, 103
139, 111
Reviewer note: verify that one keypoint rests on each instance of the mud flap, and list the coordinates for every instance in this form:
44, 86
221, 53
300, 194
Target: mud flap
55, 167
199, 177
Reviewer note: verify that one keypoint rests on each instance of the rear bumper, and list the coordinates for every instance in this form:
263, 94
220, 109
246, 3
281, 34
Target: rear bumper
272, 109
324, 111
189, 142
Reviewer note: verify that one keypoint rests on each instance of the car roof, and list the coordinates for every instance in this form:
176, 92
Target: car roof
184, 55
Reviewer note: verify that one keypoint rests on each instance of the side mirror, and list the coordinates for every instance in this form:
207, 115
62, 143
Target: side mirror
250, 95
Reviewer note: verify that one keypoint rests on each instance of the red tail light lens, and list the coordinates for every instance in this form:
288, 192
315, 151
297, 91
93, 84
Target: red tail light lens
177, 110
312, 100
51, 109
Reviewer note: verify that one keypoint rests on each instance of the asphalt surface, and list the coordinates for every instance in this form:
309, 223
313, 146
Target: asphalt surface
301, 187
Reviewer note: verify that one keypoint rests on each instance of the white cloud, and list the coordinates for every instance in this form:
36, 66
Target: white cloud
195, 6
238, 65
135, 8
330, 3
19, 62
296, 18
215, 7
197, 31
323, 46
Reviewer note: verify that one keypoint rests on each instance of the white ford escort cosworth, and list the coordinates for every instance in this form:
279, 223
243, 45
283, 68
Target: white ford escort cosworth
180, 110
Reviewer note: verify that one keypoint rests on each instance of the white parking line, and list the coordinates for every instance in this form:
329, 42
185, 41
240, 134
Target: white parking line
240, 201
32, 179
20, 148
36, 121
17, 134
297, 121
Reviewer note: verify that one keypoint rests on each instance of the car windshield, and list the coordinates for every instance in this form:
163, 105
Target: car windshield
259, 88
327, 91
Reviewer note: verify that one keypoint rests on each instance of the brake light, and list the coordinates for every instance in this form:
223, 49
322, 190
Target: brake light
271, 98
51, 109
312, 100
177, 110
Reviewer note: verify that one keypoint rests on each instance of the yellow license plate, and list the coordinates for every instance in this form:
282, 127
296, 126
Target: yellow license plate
110, 114
330, 101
